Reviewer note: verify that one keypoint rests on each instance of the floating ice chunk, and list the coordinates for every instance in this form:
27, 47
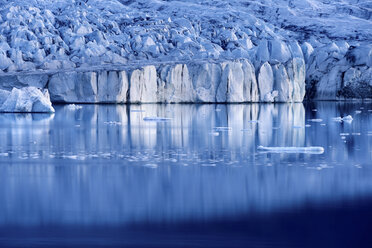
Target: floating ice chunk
314, 110
74, 107
25, 100
156, 119
307, 125
112, 123
337, 119
270, 96
355, 134
344, 134
340, 119
348, 118
323, 124
358, 111
310, 149
214, 133
222, 129
209, 165
316, 120
151, 166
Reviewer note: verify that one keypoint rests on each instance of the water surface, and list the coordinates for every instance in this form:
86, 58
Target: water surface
111, 166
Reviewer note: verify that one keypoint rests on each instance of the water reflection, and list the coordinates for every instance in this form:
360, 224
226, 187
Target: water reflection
106, 165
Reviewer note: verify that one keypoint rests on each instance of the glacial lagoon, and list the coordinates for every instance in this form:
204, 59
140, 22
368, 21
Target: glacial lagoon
155, 167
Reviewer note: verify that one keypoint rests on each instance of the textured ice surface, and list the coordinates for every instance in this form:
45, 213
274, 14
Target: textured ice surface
283, 43
25, 100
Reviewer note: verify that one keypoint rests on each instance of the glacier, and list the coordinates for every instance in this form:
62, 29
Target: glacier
212, 51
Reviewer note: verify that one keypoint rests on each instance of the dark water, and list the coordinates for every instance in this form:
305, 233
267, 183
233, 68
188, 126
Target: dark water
102, 176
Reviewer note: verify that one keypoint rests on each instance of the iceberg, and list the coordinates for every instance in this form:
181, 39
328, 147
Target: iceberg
309, 150
25, 100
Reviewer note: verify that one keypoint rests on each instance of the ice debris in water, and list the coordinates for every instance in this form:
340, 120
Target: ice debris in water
151, 166
358, 111
222, 129
316, 120
338, 119
156, 119
348, 118
112, 123
214, 133
309, 149
73, 107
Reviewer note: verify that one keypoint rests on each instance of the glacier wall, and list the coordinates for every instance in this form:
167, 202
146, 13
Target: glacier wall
205, 82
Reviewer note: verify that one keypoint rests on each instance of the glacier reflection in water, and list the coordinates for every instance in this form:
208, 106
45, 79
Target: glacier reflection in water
106, 165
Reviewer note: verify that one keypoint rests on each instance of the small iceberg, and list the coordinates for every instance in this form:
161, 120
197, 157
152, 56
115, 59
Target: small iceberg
74, 107
25, 100
309, 149
156, 119
316, 120
214, 133
347, 118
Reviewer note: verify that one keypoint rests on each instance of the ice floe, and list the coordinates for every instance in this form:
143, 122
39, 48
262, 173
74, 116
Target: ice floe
310, 149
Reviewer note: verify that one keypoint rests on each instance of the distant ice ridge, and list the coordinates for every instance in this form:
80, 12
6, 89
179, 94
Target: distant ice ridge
326, 43
25, 100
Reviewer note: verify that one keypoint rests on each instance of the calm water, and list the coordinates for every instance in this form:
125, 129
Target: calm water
101, 175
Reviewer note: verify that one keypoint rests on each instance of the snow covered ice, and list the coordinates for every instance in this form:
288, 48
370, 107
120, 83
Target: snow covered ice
191, 51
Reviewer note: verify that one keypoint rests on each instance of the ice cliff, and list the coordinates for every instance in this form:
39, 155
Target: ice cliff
190, 51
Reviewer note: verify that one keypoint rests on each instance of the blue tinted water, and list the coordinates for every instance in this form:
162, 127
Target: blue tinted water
107, 166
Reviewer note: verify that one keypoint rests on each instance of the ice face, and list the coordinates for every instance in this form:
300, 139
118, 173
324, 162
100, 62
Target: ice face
226, 82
